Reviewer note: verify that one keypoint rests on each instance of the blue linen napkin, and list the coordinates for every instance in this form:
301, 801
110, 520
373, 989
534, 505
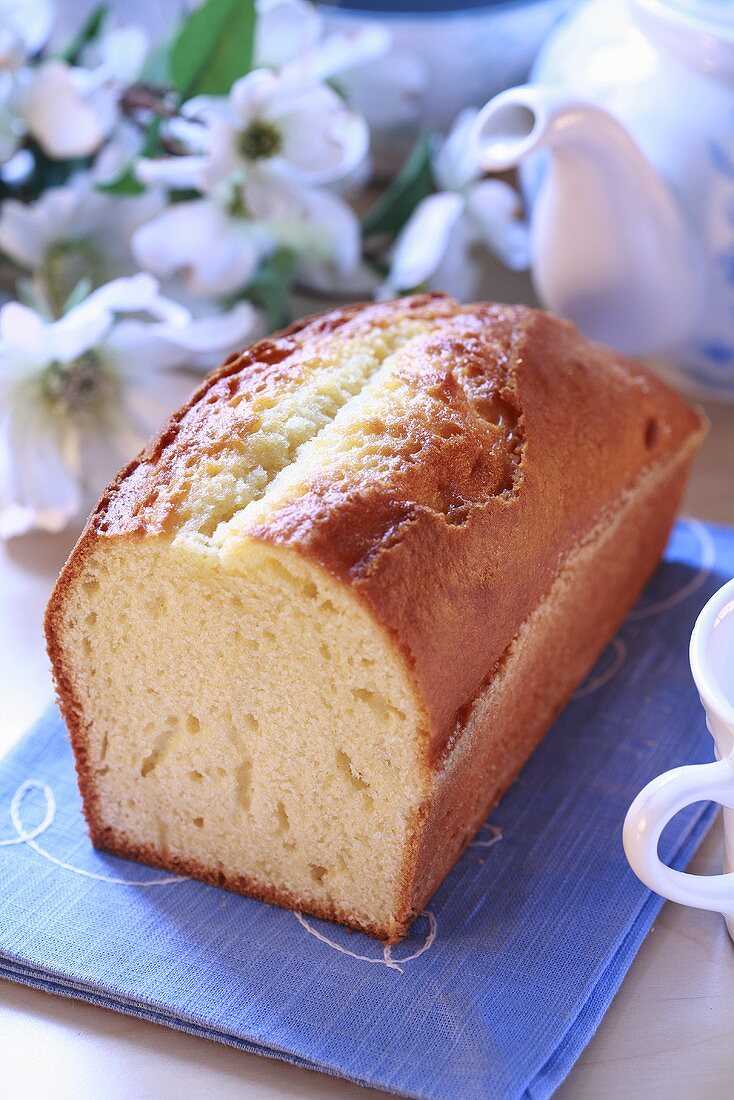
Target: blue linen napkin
502, 981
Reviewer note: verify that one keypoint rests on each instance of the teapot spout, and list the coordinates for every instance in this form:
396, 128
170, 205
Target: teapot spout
611, 247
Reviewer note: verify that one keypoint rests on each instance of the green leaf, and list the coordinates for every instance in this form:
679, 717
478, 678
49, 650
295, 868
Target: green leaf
413, 183
89, 31
155, 70
26, 291
126, 182
271, 286
78, 294
183, 194
213, 48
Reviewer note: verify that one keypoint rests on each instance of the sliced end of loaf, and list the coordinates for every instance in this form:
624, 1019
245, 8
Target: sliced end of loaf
250, 725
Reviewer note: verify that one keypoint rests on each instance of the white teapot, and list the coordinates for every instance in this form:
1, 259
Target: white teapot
625, 145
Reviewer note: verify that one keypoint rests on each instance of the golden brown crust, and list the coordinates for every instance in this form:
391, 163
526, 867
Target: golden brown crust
554, 651
428, 548
69, 703
523, 439
145, 496
509, 401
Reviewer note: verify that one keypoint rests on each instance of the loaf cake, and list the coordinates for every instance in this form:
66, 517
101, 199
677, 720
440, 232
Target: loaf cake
311, 634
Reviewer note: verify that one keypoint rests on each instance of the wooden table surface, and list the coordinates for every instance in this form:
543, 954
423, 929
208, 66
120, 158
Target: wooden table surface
669, 1032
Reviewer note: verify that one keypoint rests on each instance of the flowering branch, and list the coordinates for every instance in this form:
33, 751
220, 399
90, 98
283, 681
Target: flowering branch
159, 206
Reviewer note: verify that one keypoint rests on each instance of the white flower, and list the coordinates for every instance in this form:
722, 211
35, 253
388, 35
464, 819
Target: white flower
283, 30
216, 253
257, 157
118, 55
74, 231
290, 35
65, 108
122, 146
24, 28
80, 395
434, 248
388, 90
386, 86
324, 233
271, 124
71, 109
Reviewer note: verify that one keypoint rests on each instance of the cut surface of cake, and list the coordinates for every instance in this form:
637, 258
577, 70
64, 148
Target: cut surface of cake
311, 634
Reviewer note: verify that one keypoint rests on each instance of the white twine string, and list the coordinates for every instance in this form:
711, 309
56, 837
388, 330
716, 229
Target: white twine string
495, 835
29, 837
620, 656
708, 560
387, 958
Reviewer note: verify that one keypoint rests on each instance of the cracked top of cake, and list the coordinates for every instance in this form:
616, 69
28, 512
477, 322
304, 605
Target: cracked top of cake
442, 459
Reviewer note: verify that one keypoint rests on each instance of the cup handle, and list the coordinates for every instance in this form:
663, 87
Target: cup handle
651, 811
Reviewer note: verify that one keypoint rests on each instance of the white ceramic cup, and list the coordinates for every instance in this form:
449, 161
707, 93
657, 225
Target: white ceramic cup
712, 664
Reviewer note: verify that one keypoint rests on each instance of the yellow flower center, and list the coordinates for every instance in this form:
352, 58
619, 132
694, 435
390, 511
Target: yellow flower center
79, 389
260, 140
66, 263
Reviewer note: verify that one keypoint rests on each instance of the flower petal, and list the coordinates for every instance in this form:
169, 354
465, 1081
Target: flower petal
27, 229
218, 254
218, 333
494, 210
78, 332
324, 232
223, 163
201, 109
283, 93
135, 350
124, 143
137, 294
252, 92
12, 50
38, 489
284, 29
146, 405
342, 51
24, 330
424, 239
176, 172
21, 235
455, 164
120, 54
57, 114
268, 196
165, 244
323, 144
139, 351
458, 273
109, 443
30, 20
